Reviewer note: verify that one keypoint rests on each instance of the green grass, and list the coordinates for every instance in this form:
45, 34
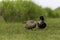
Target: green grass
16, 31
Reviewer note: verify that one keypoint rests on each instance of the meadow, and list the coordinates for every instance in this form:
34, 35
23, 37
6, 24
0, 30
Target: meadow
16, 31
14, 13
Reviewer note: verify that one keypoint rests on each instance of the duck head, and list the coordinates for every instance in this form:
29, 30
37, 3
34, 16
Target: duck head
42, 18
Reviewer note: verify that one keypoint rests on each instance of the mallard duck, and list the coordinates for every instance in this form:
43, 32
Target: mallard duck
30, 24
42, 24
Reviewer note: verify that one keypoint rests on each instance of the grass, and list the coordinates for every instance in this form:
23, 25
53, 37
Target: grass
16, 31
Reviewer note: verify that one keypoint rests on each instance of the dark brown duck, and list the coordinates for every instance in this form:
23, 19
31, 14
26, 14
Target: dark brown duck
42, 24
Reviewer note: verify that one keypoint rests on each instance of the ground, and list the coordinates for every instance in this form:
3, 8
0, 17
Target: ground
16, 31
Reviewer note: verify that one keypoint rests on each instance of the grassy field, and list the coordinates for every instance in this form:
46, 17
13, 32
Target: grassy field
16, 31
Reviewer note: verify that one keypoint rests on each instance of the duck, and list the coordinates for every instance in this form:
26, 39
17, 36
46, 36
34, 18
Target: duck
42, 23
30, 24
